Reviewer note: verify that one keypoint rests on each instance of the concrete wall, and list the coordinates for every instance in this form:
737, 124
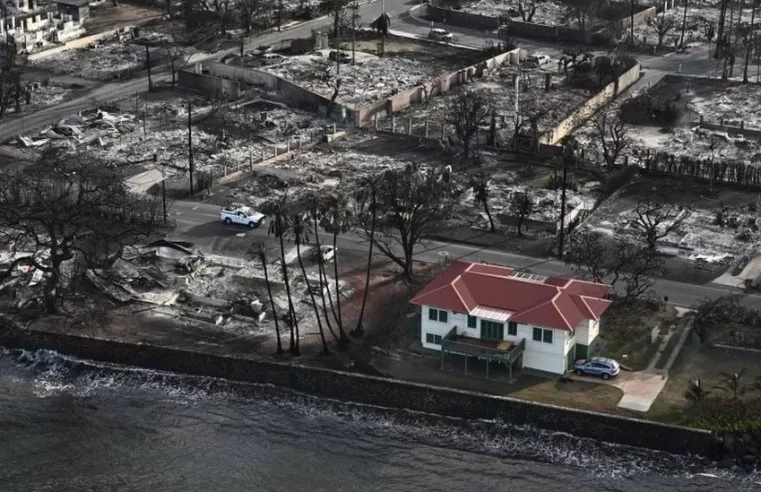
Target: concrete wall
295, 94
403, 100
591, 106
371, 390
208, 84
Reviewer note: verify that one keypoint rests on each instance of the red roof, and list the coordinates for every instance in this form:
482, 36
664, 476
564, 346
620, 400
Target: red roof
553, 302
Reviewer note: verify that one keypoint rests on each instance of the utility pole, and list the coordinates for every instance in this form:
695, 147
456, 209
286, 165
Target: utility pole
163, 196
354, 8
562, 208
190, 147
148, 63
684, 22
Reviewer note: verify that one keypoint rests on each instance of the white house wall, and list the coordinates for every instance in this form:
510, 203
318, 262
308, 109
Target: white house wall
547, 357
587, 331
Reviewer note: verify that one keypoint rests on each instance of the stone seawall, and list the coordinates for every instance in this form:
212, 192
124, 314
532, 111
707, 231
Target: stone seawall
371, 390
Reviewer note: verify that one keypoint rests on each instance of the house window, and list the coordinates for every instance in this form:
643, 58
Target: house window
434, 339
438, 315
472, 321
491, 330
512, 328
547, 336
540, 335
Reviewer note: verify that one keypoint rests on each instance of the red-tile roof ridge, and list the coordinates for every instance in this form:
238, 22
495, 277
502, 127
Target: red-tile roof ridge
581, 299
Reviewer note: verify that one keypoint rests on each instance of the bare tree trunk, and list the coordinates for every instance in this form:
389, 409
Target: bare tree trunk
684, 23
488, 215
325, 349
369, 267
323, 283
272, 305
751, 37
341, 331
294, 348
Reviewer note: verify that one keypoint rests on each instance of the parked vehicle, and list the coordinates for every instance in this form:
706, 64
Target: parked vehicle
271, 58
326, 252
598, 366
441, 35
345, 57
538, 59
241, 215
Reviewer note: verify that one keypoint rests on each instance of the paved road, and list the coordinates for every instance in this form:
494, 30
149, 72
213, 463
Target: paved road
199, 223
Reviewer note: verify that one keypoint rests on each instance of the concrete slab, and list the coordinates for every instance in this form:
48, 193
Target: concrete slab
640, 388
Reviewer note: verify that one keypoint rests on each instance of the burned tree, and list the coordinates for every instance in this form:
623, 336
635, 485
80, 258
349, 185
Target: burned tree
467, 113
12, 89
413, 203
69, 214
655, 220
335, 218
176, 54
521, 206
611, 134
366, 206
480, 186
582, 10
526, 10
622, 263
662, 25
381, 26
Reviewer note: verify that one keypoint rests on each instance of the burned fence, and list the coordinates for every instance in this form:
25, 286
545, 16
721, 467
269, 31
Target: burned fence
733, 173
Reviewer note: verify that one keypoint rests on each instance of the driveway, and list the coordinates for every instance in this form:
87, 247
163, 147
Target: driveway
640, 388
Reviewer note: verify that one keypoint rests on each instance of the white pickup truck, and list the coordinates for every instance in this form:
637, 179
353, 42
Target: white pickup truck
241, 215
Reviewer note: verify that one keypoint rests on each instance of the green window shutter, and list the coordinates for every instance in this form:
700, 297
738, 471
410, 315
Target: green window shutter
437, 339
537, 335
429, 338
547, 336
443, 316
472, 321
433, 314
512, 328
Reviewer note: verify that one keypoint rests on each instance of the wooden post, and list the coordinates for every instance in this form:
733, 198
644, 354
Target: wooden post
393, 124
251, 159
409, 126
426, 128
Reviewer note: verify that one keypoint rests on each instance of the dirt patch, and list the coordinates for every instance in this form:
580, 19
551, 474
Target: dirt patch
625, 333
719, 225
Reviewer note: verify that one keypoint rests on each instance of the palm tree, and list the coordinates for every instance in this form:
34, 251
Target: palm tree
300, 229
279, 226
259, 251
336, 219
311, 202
695, 392
368, 187
732, 383
381, 25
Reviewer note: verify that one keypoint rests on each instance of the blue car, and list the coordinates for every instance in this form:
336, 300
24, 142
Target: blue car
598, 366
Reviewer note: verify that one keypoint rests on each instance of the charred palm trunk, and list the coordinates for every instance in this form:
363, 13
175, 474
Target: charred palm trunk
325, 349
272, 306
369, 266
294, 324
341, 331
323, 284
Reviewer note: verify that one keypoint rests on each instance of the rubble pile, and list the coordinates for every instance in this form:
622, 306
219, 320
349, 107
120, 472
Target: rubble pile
371, 79
222, 138
101, 62
551, 13
498, 88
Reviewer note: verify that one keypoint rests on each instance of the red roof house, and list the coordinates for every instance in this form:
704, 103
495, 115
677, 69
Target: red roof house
467, 295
